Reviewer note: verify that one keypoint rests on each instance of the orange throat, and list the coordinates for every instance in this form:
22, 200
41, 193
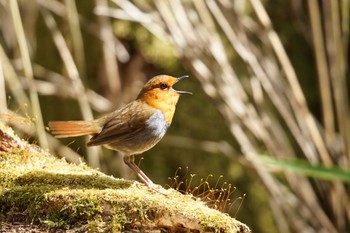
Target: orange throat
165, 103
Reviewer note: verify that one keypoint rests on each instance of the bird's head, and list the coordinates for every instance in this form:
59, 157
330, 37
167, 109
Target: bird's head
159, 93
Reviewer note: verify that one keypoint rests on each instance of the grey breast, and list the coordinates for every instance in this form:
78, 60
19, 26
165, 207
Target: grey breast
155, 128
156, 125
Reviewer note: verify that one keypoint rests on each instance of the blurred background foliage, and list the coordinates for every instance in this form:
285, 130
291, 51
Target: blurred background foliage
268, 77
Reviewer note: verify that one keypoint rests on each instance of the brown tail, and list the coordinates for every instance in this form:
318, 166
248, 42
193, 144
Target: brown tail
65, 129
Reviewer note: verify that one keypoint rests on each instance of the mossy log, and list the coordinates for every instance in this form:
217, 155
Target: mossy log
40, 193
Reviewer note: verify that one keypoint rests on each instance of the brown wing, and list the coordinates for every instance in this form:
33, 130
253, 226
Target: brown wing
123, 124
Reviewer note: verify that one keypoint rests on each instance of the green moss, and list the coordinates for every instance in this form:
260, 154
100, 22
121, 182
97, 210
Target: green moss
119, 220
38, 188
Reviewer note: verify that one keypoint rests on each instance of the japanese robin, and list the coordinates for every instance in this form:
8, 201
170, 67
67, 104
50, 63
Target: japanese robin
134, 128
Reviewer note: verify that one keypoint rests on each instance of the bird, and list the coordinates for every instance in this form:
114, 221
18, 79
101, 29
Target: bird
133, 128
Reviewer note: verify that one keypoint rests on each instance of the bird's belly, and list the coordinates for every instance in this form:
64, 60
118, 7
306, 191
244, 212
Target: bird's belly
155, 128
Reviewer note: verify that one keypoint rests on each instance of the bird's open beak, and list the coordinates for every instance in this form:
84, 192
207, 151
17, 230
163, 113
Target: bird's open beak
182, 92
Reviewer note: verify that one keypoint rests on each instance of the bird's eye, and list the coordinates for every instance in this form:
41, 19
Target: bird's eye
163, 86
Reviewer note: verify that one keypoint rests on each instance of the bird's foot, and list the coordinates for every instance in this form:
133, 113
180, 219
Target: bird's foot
156, 188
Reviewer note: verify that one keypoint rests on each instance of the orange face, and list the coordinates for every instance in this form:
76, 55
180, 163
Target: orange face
160, 94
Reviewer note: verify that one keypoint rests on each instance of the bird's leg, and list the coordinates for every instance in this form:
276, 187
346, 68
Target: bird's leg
129, 160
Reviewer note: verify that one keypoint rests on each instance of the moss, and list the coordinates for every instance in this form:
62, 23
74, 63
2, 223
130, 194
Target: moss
38, 188
119, 220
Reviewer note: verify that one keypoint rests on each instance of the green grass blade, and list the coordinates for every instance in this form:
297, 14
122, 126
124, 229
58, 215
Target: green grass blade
304, 167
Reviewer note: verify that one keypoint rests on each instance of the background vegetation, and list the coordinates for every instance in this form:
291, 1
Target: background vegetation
268, 78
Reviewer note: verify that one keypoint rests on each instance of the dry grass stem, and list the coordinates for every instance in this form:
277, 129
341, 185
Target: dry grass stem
28, 71
76, 81
109, 53
3, 102
76, 36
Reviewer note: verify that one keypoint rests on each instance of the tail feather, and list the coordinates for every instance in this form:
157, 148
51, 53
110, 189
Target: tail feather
65, 129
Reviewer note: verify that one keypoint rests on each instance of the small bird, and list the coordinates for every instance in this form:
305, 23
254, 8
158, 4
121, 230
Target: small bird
134, 128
